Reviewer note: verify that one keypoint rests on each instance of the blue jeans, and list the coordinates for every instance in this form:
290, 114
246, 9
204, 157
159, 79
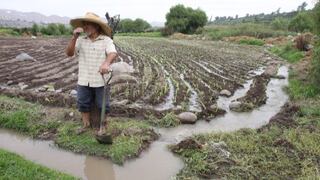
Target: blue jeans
86, 96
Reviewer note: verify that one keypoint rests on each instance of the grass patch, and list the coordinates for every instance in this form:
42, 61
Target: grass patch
169, 120
299, 90
256, 42
288, 52
13, 166
130, 136
289, 153
18, 114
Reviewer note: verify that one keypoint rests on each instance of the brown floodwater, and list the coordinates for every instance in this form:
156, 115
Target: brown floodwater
156, 163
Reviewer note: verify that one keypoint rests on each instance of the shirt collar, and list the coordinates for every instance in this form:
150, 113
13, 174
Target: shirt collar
100, 37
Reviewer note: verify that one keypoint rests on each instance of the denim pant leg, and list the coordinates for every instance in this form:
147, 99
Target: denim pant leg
99, 96
84, 98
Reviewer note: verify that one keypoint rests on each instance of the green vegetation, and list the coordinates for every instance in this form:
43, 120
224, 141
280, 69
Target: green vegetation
298, 89
217, 32
133, 26
288, 52
280, 24
21, 116
315, 65
51, 29
13, 166
272, 18
301, 23
169, 120
8, 32
276, 153
185, 19
130, 137
256, 42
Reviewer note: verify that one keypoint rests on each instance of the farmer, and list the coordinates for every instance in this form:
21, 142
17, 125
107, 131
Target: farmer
95, 52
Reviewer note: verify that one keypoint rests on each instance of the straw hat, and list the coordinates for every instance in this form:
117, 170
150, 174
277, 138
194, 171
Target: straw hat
91, 17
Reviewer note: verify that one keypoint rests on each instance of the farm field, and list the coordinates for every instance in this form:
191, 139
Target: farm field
206, 78
175, 75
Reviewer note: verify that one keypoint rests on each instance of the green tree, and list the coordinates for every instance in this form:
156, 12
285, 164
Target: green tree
301, 23
280, 24
137, 25
185, 20
35, 29
51, 29
316, 14
141, 25
126, 25
63, 29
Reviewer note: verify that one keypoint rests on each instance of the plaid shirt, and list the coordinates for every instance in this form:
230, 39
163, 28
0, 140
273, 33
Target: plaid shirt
91, 54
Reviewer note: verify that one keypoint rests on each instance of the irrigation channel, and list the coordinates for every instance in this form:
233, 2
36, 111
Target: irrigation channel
157, 162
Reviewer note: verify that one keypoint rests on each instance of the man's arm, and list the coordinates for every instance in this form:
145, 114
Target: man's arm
72, 43
104, 68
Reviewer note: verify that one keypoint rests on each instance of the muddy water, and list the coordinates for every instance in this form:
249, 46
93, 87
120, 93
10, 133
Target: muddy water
168, 103
157, 162
233, 120
194, 105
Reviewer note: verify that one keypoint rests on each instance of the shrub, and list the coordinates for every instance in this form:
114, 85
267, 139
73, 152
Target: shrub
185, 20
288, 52
129, 25
301, 23
315, 65
280, 24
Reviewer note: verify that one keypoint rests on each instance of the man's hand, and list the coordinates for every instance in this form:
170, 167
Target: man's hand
104, 68
77, 31
71, 45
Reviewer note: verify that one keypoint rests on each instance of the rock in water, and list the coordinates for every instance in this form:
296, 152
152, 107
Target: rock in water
235, 105
187, 118
225, 93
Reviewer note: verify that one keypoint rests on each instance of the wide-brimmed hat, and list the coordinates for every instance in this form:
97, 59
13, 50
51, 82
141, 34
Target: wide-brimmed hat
91, 17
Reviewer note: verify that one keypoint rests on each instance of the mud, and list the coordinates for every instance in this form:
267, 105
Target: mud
256, 96
285, 118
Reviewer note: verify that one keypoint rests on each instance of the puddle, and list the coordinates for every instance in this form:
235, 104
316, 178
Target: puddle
157, 162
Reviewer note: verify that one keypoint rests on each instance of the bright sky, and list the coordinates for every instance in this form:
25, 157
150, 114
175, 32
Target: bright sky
151, 10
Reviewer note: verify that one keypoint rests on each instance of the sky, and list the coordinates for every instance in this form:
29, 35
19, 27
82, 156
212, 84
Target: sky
151, 10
